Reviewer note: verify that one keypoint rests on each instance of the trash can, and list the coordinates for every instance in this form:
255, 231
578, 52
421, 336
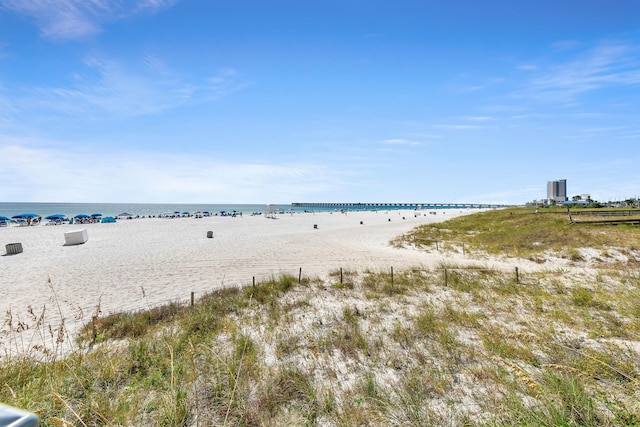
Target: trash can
14, 417
13, 248
210, 234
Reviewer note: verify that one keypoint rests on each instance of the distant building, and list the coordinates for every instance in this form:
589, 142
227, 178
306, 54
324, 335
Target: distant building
557, 191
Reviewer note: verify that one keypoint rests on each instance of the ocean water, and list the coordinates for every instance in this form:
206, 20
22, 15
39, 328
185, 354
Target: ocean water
70, 210
9, 209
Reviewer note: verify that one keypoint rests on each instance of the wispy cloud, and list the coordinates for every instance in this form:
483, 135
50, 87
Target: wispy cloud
608, 64
481, 118
153, 5
110, 88
38, 173
72, 19
635, 134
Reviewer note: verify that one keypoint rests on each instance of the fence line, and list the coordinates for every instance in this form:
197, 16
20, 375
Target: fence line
192, 296
83, 315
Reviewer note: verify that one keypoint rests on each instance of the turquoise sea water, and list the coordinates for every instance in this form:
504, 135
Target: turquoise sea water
10, 209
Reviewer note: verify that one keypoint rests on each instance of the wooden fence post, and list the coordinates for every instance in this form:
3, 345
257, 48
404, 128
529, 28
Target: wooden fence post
300, 276
517, 276
341, 275
193, 294
445, 277
391, 277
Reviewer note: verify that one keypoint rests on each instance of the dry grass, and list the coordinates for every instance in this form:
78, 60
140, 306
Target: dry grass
519, 232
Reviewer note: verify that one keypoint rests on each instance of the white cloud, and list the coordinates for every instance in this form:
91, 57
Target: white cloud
110, 88
32, 172
72, 19
154, 5
631, 135
607, 64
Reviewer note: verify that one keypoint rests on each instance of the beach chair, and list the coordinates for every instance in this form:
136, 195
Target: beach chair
4, 223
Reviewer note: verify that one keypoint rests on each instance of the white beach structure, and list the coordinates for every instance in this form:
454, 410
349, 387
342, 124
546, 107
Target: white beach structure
75, 237
271, 211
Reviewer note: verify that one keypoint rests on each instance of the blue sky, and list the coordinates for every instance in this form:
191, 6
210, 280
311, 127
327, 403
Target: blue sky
260, 101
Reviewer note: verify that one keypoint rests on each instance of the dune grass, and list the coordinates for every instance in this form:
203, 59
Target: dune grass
405, 349
520, 232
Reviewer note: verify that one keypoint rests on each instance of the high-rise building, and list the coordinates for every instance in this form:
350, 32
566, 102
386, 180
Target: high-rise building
557, 191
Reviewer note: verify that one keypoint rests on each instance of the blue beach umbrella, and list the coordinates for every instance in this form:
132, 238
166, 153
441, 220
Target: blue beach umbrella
96, 215
55, 216
25, 215
4, 218
81, 216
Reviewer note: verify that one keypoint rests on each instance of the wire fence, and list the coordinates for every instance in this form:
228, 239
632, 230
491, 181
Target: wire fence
21, 334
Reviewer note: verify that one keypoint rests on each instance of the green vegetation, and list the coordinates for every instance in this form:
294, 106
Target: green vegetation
520, 232
362, 348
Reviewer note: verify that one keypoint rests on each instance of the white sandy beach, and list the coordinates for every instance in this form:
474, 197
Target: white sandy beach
134, 264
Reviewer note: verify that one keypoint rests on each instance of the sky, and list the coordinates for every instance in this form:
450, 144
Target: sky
281, 101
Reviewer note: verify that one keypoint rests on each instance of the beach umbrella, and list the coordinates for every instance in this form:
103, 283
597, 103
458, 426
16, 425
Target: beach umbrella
96, 215
25, 215
125, 214
81, 216
4, 218
55, 216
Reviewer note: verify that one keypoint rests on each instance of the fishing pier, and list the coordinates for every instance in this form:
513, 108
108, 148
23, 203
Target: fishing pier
392, 206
